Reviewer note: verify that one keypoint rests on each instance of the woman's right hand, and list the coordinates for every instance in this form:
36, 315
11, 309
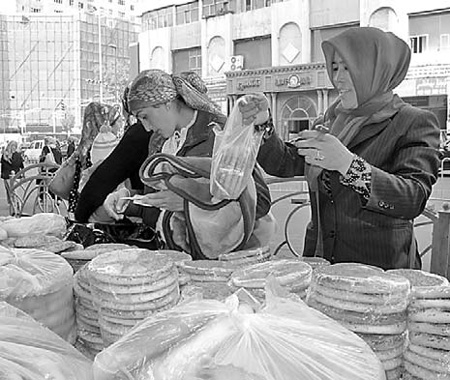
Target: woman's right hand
115, 205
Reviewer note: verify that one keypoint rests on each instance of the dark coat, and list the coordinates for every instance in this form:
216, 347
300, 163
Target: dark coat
15, 165
403, 152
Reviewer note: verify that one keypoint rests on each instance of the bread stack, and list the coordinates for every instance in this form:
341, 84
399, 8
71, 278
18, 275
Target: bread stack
78, 258
178, 258
88, 329
293, 275
247, 256
427, 355
129, 285
369, 302
40, 284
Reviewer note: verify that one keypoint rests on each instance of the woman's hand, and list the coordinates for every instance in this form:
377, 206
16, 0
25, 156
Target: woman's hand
324, 150
254, 108
115, 205
163, 199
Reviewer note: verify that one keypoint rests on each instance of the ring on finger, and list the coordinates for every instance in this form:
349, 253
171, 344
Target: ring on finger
319, 156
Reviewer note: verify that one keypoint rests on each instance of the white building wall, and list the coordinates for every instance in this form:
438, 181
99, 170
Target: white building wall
152, 41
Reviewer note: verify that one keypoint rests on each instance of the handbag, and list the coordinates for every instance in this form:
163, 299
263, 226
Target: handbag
62, 183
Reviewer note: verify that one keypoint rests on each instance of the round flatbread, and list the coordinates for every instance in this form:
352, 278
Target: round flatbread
429, 315
395, 328
429, 340
392, 364
435, 303
357, 317
390, 354
380, 342
316, 262
209, 268
434, 365
419, 278
285, 271
360, 307
145, 287
176, 256
136, 314
430, 328
120, 299
431, 353
359, 297
133, 266
168, 296
394, 374
261, 253
423, 373
432, 292
360, 278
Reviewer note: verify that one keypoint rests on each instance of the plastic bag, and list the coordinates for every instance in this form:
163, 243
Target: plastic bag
212, 340
234, 156
29, 351
44, 223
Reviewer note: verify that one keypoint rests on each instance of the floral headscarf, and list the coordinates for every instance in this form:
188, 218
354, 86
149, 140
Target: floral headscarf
9, 150
153, 87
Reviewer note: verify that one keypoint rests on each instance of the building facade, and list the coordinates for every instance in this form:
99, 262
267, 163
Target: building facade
53, 65
241, 46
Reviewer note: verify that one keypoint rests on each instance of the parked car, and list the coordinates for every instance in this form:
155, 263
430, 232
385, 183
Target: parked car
32, 153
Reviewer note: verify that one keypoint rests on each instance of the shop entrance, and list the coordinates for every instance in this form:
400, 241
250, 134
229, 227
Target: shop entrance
296, 115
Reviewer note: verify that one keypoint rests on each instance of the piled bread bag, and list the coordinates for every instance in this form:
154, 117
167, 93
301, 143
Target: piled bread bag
427, 355
29, 351
369, 302
205, 339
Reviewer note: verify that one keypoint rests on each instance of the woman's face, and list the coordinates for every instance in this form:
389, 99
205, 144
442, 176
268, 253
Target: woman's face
157, 118
343, 83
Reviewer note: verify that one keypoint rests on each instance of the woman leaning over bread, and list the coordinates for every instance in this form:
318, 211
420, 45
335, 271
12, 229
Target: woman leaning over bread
372, 174
182, 117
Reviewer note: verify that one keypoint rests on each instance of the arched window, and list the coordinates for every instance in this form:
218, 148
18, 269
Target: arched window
296, 115
385, 19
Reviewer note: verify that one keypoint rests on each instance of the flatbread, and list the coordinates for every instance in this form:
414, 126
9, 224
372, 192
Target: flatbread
394, 374
285, 271
423, 373
133, 266
360, 307
392, 364
256, 254
429, 315
429, 340
357, 317
380, 342
431, 353
419, 278
390, 354
430, 328
210, 268
360, 278
395, 328
427, 363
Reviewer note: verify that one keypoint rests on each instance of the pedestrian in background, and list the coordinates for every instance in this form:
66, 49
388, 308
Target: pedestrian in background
12, 162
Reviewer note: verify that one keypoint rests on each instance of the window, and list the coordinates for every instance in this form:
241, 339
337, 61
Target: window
121, 2
187, 13
419, 44
58, 1
35, 10
215, 7
187, 60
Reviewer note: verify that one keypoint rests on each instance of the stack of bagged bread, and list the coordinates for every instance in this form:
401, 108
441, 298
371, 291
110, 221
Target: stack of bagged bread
89, 339
315, 262
179, 258
129, 285
369, 302
208, 279
427, 355
294, 275
41, 284
81, 256
247, 256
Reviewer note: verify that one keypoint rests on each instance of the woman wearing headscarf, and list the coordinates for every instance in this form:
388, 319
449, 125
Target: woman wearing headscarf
372, 174
12, 162
182, 117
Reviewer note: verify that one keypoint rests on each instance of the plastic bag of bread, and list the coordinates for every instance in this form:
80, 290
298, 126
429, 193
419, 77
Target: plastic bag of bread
208, 339
29, 351
234, 156
45, 224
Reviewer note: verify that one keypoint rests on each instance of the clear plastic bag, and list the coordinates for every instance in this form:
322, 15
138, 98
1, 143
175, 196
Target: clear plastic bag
233, 340
234, 156
29, 351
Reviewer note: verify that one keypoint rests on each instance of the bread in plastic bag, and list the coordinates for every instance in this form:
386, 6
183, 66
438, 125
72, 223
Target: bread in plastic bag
41, 284
44, 223
234, 156
206, 339
29, 351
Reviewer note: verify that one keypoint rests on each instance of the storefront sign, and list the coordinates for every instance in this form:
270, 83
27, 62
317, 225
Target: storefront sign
294, 81
249, 83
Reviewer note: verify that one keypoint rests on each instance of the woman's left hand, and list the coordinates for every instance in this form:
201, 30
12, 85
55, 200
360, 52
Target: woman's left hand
324, 150
163, 199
